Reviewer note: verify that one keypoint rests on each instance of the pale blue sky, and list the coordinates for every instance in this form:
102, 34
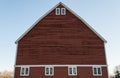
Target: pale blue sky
16, 16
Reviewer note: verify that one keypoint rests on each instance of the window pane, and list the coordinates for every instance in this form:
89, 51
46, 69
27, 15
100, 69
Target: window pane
74, 70
63, 11
47, 70
51, 70
22, 71
70, 70
95, 70
27, 71
99, 71
57, 11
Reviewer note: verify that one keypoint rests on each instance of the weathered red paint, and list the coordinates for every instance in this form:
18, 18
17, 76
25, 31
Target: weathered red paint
60, 39
59, 72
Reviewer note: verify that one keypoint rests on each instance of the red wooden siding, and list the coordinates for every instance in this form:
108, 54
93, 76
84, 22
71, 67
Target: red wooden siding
62, 72
60, 39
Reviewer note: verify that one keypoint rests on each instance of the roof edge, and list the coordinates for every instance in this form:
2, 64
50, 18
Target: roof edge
85, 23
36, 23
51, 11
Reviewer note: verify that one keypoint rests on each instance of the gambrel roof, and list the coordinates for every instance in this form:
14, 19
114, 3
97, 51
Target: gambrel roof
71, 12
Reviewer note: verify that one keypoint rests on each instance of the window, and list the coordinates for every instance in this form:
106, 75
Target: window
97, 71
49, 71
24, 71
60, 11
63, 11
72, 70
57, 11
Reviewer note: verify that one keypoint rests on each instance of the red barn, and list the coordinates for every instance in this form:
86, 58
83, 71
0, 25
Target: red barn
60, 45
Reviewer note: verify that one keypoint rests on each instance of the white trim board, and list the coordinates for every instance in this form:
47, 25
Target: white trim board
60, 65
15, 60
71, 12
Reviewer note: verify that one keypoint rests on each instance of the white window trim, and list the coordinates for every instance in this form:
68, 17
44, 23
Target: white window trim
49, 70
72, 70
24, 71
56, 11
64, 11
97, 70
64, 65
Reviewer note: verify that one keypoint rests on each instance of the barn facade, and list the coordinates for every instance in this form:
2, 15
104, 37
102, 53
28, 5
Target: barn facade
61, 45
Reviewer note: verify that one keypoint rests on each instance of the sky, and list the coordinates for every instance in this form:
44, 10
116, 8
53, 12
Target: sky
16, 16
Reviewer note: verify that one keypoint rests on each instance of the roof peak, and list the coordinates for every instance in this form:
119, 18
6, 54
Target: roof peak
60, 3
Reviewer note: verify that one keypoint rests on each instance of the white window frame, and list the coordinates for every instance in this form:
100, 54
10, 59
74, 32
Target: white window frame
57, 11
72, 67
62, 11
23, 71
97, 71
49, 71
